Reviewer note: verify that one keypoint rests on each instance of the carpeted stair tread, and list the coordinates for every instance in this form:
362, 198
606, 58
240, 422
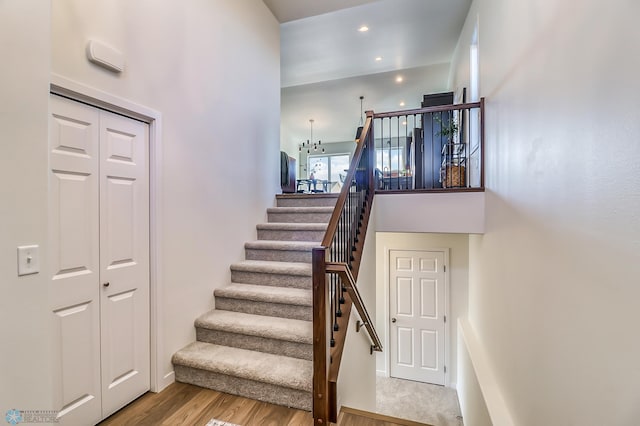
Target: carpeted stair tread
277, 370
282, 245
261, 293
284, 226
271, 267
285, 200
300, 209
290, 330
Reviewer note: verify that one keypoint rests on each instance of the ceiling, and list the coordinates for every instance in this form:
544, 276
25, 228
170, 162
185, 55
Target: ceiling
321, 44
291, 10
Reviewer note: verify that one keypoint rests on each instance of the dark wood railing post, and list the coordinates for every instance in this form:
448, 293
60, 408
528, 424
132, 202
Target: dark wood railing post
320, 338
371, 141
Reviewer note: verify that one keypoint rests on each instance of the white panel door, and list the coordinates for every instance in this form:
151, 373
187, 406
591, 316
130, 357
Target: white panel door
99, 226
124, 260
74, 260
417, 306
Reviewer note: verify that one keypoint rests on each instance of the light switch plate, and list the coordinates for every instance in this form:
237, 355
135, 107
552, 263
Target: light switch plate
28, 260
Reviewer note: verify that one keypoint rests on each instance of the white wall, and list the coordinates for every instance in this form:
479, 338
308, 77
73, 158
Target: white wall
25, 370
429, 212
357, 379
458, 245
212, 70
553, 293
473, 406
335, 104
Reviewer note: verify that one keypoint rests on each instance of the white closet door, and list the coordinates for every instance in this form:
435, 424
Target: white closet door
74, 260
124, 260
99, 247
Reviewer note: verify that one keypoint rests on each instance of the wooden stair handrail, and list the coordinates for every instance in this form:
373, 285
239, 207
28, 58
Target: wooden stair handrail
327, 359
427, 110
332, 227
350, 285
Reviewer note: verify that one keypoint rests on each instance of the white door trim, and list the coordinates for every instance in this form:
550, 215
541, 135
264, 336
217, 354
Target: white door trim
447, 303
89, 95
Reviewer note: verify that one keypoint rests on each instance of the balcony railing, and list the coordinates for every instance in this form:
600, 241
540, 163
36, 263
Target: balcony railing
430, 149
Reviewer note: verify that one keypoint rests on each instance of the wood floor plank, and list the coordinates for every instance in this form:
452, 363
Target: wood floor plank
301, 418
352, 417
187, 405
152, 408
230, 408
264, 414
191, 414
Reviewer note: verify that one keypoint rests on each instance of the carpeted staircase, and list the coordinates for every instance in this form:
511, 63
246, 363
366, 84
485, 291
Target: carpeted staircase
257, 343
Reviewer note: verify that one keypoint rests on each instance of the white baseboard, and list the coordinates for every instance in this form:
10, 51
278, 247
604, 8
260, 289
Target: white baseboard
167, 379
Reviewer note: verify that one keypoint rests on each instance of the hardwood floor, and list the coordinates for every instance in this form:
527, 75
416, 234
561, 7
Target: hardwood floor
181, 404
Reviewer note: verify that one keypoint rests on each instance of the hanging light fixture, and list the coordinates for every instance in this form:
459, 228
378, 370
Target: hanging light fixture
316, 145
359, 131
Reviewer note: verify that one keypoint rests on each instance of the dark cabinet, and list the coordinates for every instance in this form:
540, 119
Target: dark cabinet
429, 144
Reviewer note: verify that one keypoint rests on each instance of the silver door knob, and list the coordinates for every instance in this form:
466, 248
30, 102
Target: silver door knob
105, 284
393, 320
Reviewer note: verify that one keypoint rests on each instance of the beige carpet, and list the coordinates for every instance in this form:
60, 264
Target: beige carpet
420, 402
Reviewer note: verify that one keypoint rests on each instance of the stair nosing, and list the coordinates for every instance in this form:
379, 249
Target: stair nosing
254, 293
254, 326
281, 245
301, 209
292, 226
209, 364
273, 267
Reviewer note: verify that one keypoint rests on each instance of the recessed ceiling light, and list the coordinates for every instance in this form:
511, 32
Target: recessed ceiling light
378, 58
399, 79
363, 29
402, 103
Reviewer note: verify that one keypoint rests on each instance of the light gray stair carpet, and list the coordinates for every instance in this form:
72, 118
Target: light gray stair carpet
270, 378
285, 251
265, 300
258, 341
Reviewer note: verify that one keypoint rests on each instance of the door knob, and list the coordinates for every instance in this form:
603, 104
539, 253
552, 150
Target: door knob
393, 320
105, 284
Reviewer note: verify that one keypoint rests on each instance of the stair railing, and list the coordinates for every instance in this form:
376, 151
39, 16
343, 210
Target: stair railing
335, 270
433, 149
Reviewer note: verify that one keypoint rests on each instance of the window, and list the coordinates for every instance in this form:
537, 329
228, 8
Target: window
474, 67
331, 168
390, 158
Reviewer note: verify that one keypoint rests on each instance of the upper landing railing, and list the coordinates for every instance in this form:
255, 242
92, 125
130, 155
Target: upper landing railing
430, 149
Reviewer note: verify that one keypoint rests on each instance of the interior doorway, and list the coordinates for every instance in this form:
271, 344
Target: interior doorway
417, 311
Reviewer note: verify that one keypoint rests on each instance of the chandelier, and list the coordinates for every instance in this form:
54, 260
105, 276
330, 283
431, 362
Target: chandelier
308, 144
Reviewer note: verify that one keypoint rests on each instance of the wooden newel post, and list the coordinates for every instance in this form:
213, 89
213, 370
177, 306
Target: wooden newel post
320, 338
